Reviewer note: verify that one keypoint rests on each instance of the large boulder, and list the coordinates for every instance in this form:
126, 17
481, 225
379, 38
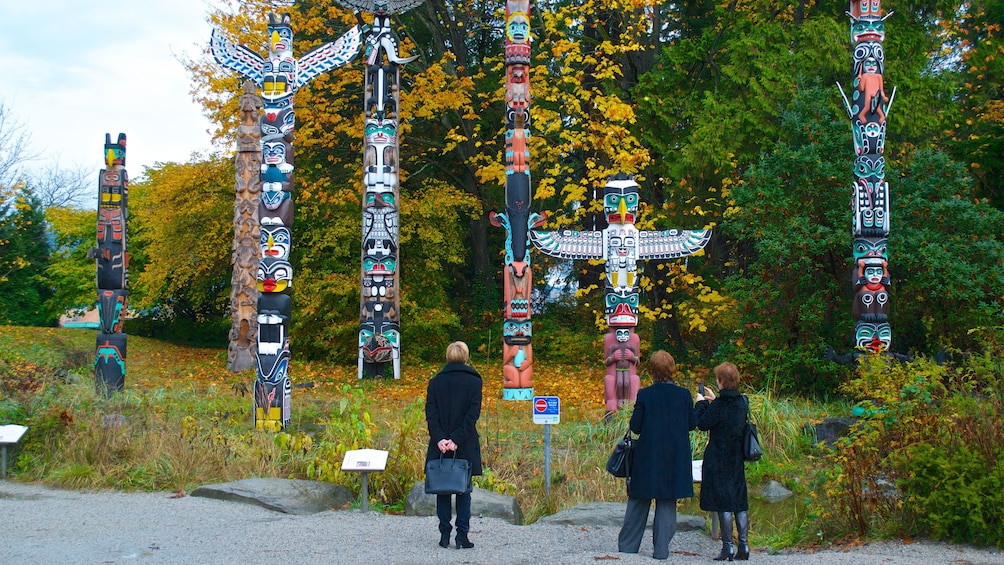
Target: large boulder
830, 429
483, 503
292, 496
774, 492
612, 514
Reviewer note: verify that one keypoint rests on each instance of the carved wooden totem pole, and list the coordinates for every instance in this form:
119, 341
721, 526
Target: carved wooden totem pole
112, 264
621, 245
246, 246
279, 77
517, 220
867, 110
380, 302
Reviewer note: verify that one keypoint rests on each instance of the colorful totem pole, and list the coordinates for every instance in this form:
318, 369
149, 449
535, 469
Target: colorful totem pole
621, 245
246, 245
279, 77
112, 265
379, 302
867, 110
517, 327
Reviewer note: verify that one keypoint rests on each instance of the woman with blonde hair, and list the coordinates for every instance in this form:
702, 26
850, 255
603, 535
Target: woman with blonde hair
452, 409
723, 484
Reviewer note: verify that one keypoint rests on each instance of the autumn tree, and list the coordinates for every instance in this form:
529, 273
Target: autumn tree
70, 273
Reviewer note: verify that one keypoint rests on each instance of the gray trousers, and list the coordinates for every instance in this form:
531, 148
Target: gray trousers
635, 520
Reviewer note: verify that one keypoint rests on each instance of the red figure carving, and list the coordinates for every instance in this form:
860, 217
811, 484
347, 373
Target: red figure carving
620, 355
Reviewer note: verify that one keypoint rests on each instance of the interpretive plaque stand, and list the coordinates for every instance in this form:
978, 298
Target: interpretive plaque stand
364, 461
9, 435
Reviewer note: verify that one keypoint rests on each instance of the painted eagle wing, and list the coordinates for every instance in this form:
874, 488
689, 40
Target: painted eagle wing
328, 56
671, 244
388, 6
567, 244
237, 58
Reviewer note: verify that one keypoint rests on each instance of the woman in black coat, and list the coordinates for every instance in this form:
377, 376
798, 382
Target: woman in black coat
452, 409
661, 467
723, 484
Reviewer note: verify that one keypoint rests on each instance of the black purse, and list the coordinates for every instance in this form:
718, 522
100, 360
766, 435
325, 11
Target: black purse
448, 475
619, 463
751, 442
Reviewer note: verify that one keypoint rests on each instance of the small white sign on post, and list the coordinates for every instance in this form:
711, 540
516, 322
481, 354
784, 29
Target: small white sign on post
546, 410
9, 434
364, 461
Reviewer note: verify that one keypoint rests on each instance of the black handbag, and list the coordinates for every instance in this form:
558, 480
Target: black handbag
751, 442
448, 475
619, 463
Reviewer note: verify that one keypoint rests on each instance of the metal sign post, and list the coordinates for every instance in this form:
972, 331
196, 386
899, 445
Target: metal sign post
364, 461
547, 411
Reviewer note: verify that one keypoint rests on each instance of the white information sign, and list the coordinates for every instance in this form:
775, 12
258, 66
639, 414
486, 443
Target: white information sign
11, 433
365, 460
546, 410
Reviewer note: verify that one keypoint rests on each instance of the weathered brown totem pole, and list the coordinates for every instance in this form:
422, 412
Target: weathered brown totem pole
517, 220
279, 77
246, 246
867, 110
621, 245
380, 301
112, 264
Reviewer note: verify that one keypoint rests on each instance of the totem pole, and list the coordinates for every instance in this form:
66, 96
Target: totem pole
379, 302
246, 245
867, 111
517, 220
621, 245
112, 264
279, 77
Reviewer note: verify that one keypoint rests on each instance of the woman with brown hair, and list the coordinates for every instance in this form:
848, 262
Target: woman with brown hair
723, 482
661, 466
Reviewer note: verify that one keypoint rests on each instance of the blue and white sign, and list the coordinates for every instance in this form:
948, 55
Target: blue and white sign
546, 410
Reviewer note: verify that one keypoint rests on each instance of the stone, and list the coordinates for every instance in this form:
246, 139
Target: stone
291, 496
612, 514
830, 429
774, 492
483, 503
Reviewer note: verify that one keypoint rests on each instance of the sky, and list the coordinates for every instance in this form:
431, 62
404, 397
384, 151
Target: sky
80, 69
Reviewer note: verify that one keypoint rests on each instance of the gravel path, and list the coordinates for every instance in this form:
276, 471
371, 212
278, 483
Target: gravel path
47, 526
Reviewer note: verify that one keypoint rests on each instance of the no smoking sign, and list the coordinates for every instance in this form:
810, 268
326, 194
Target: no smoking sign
546, 410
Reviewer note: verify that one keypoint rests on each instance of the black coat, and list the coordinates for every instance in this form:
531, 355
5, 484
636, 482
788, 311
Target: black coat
663, 417
452, 409
723, 485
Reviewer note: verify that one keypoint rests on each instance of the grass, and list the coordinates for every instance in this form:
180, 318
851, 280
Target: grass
183, 421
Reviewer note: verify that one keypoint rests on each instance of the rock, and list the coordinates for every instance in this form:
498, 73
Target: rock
830, 429
292, 496
483, 503
774, 492
612, 514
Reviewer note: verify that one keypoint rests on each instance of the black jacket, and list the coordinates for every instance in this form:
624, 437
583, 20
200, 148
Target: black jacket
723, 486
452, 409
663, 417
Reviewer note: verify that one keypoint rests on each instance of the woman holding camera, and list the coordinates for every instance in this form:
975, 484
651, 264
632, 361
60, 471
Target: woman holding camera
723, 483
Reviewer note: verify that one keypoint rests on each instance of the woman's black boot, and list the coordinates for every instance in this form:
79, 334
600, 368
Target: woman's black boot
725, 519
444, 536
463, 542
743, 526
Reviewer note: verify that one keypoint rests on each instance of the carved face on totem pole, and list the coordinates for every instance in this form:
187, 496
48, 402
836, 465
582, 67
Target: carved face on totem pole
275, 241
379, 340
872, 337
274, 275
278, 119
276, 207
620, 201
115, 153
622, 308
867, 28
871, 301
111, 303
517, 332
